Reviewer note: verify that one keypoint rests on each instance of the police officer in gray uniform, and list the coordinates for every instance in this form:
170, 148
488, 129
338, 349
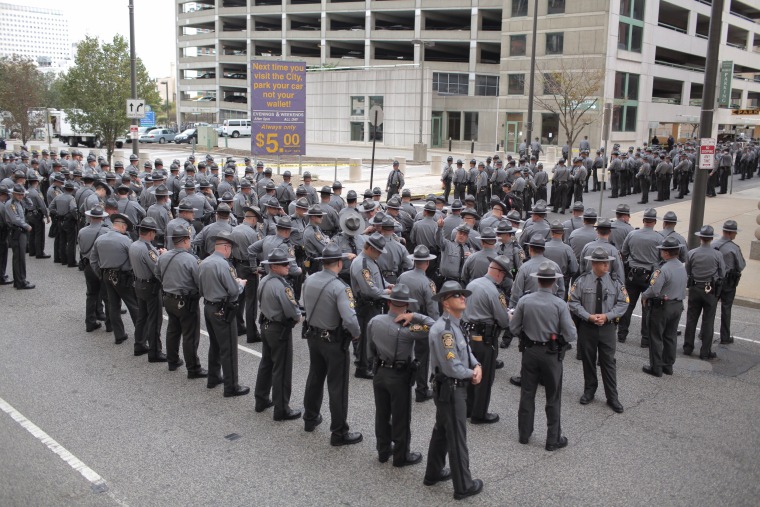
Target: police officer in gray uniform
486, 315
598, 301
735, 264
332, 325
391, 339
369, 286
204, 241
279, 313
159, 212
543, 323
96, 291
454, 368
394, 260
422, 289
705, 269
178, 272
110, 261
63, 209
221, 289
246, 266
477, 264
603, 228
561, 253
314, 239
642, 257
664, 298
185, 213
453, 253
525, 282
143, 257
579, 238
621, 227
669, 221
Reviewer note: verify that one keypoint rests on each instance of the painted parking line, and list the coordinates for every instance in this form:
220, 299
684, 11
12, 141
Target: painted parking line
716, 333
240, 347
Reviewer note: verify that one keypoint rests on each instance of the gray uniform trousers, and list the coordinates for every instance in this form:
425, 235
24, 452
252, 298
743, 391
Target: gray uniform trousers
601, 339
393, 411
123, 291
663, 334
537, 366
185, 324
276, 367
700, 303
327, 361
222, 348
149, 310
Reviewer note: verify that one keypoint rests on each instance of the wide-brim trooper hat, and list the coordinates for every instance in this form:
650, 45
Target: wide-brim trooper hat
123, 218
351, 223
730, 226
221, 236
96, 212
599, 254
546, 271
705, 232
669, 243
503, 262
400, 293
278, 256
149, 223
670, 216
284, 223
377, 241
332, 252
368, 206
451, 287
421, 253
255, 210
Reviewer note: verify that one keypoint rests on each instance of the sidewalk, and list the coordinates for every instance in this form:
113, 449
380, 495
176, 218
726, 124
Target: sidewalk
742, 207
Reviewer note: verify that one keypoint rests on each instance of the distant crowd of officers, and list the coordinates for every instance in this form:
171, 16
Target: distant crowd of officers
421, 298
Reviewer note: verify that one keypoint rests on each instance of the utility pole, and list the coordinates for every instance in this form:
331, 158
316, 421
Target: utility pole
166, 90
697, 214
531, 85
133, 68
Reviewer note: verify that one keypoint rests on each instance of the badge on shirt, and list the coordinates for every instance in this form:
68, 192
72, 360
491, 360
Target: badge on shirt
367, 277
654, 277
291, 297
503, 300
450, 356
291, 252
233, 272
625, 293
417, 328
432, 288
153, 256
318, 236
448, 340
521, 254
350, 295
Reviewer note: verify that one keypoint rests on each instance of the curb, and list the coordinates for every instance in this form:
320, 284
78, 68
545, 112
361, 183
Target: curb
747, 303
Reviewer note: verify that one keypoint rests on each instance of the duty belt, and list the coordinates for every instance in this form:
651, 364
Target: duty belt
179, 297
150, 280
397, 365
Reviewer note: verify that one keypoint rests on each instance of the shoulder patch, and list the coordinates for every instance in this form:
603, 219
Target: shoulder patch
450, 356
233, 272
448, 340
318, 236
654, 277
367, 276
432, 288
625, 293
572, 288
502, 299
417, 328
522, 254
153, 256
350, 295
291, 297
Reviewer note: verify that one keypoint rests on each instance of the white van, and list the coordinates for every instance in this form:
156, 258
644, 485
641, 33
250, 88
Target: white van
236, 128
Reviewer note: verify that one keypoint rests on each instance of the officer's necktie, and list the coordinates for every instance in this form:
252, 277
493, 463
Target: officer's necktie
461, 258
599, 296
352, 244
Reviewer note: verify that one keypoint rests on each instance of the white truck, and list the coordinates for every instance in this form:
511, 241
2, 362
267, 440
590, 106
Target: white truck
62, 129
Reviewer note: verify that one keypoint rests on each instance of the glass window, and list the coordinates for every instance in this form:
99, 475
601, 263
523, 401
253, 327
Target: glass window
451, 84
454, 119
470, 126
376, 132
555, 7
517, 44
550, 85
487, 86
625, 108
516, 84
632, 9
554, 43
357, 131
375, 100
631, 25
357, 106
519, 8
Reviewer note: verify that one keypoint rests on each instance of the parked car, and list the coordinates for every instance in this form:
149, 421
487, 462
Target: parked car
125, 139
160, 136
207, 75
236, 75
236, 98
236, 128
186, 136
206, 98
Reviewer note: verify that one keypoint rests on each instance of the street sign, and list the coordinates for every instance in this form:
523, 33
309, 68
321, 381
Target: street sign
707, 153
376, 110
724, 84
744, 112
135, 108
148, 120
133, 131
278, 107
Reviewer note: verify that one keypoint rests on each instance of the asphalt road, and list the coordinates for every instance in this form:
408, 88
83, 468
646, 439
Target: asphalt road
156, 438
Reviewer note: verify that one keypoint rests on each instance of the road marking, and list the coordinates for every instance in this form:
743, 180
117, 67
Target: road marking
97, 483
240, 347
714, 333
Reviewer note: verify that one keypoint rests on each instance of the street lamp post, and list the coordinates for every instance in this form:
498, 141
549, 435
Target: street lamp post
133, 69
166, 90
529, 123
420, 149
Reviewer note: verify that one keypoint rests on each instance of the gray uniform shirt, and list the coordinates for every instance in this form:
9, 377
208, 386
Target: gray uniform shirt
87, 236
394, 260
582, 297
261, 249
450, 353
620, 231
672, 233
314, 241
217, 279
640, 248
487, 304
705, 264
111, 251
424, 233
366, 280
563, 255
570, 226
732, 254
178, 271
422, 289
389, 341
277, 302
329, 303
616, 266
540, 315
144, 258
579, 238
452, 257
524, 282
203, 239
476, 265
668, 282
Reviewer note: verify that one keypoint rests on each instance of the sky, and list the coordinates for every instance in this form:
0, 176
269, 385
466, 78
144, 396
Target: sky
154, 26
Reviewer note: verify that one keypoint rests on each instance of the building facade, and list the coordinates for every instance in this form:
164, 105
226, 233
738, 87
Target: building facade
41, 35
454, 72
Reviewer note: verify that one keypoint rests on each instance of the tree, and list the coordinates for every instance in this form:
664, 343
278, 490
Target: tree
572, 93
96, 89
22, 90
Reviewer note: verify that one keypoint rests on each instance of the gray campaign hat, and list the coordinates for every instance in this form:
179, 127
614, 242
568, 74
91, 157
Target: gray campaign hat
470, 212
376, 241
315, 211
488, 234
421, 253
578, 206
96, 212
603, 223
537, 241
730, 226
650, 214
351, 223
223, 208
463, 228
179, 231
278, 256
546, 271
503, 262
705, 232
623, 209
514, 216
556, 226
123, 218
393, 203
670, 216
368, 205
400, 293
302, 203
377, 220
185, 205
599, 254
456, 205
589, 213
505, 227
149, 223
539, 209
224, 236
449, 288
332, 252
669, 243
284, 223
